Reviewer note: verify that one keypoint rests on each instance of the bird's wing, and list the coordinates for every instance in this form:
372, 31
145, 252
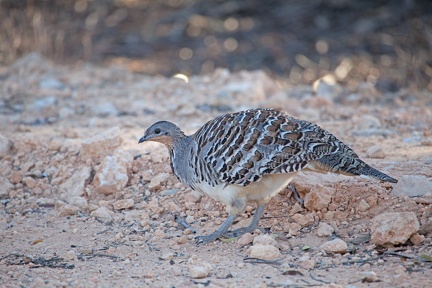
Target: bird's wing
242, 147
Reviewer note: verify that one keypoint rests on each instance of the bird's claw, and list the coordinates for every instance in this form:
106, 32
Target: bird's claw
205, 239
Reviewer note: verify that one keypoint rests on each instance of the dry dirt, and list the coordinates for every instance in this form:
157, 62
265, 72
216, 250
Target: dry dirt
47, 112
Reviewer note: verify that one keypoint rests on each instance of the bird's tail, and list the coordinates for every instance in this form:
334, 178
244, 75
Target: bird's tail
350, 164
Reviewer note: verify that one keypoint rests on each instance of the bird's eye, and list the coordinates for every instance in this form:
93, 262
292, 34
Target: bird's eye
157, 131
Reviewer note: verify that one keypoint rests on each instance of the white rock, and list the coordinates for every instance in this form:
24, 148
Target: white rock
124, 204
113, 175
75, 185
413, 185
335, 246
5, 146
198, 272
103, 214
393, 228
326, 89
318, 198
266, 252
102, 144
324, 230
369, 276
264, 240
5, 187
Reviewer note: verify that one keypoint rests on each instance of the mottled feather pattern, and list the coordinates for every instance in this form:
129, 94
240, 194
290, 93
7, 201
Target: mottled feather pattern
240, 148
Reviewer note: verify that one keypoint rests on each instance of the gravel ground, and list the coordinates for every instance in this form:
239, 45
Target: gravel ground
83, 205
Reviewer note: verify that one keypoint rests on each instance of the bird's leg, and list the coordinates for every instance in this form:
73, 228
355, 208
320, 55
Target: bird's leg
222, 230
252, 226
295, 193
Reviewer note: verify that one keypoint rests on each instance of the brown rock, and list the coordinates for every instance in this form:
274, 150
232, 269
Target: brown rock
335, 246
30, 182
417, 239
303, 220
157, 181
245, 239
26, 142
318, 198
394, 228
375, 151
363, 206
16, 177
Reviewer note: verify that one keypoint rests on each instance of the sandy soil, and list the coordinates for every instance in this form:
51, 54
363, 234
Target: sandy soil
49, 111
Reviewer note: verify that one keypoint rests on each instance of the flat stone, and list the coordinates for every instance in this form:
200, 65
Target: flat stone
303, 220
157, 181
102, 144
394, 228
124, 204
264, 240
266, 252
412, 186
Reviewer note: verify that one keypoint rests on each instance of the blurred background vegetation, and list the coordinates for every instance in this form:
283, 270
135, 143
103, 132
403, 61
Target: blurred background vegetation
385, 43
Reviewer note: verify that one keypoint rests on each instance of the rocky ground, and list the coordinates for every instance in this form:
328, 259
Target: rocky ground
83, 205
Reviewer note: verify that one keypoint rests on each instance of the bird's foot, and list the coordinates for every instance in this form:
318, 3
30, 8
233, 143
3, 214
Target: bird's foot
205, 239
241, 231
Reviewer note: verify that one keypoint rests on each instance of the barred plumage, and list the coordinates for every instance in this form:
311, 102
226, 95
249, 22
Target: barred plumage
249, 156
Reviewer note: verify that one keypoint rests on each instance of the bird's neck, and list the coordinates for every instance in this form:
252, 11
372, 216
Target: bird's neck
178, 156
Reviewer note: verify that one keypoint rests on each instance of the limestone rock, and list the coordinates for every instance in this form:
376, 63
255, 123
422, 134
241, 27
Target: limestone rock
324, 230
318, 198
412, 185
264, 240
393, 228
335, 246
199, 272
102, 144
124, 204
266, 252
113, 175
75, 185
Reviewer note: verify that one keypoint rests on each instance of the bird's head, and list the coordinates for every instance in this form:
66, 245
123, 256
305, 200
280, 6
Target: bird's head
163, 132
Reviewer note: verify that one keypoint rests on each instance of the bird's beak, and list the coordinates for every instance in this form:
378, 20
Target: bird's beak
142, 139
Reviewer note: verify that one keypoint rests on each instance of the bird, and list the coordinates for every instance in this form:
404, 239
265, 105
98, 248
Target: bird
247, 157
